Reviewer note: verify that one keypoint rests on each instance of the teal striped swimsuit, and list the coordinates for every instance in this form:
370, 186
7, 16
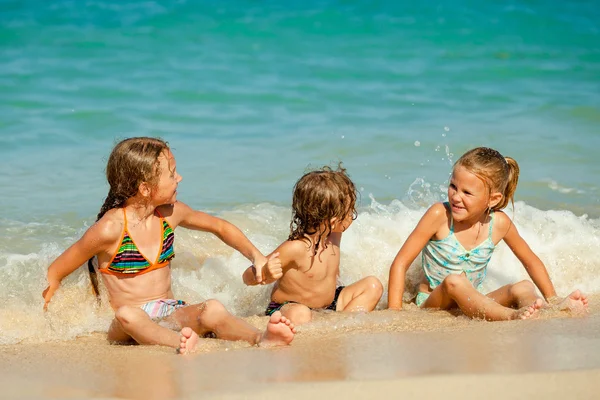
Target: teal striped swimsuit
441, 258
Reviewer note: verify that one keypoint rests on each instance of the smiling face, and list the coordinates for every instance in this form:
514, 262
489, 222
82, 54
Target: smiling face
468, 195
165, 191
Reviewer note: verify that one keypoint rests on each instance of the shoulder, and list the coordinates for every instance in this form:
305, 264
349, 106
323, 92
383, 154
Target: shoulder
436, 215
175, 213
501, 220
502, 224
291, 251
180, 214
293, 247
438, 210
434, 223
108, 228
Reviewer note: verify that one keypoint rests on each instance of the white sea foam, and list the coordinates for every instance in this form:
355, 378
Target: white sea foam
206, 268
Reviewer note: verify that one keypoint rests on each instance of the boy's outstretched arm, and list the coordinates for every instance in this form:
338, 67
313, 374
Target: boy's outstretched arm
532, 263
425, 229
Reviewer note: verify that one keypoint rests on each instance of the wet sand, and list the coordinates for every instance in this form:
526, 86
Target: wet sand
412, 354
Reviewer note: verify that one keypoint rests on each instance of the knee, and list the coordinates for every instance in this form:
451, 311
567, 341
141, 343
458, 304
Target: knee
297, 313
127, 314
374, 286
454, 282
521, 287
211, 312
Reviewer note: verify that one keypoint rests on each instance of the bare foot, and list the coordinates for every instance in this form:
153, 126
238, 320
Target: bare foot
280, 331
189, 341
576, 302
528, 311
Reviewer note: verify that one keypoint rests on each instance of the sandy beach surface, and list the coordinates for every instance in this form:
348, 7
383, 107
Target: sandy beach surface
411, 354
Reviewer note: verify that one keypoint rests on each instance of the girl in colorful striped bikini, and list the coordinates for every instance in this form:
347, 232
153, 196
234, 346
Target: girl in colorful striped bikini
132, 243
457, 239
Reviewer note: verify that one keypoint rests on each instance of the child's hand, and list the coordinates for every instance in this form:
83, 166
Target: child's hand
271, 271
48, 293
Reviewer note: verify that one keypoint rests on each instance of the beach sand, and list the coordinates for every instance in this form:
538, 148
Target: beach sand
412, 354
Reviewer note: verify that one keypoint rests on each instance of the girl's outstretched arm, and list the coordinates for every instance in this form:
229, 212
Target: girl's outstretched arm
231, 235
97, 238
424, 231
532, 263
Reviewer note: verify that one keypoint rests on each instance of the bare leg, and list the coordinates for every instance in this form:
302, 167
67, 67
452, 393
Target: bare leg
297, 313
516, 295
362, 295
456, 290
116, 334
133, 322
211, 316
523, 293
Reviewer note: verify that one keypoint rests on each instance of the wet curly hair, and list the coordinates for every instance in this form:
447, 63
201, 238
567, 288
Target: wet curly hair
319, 196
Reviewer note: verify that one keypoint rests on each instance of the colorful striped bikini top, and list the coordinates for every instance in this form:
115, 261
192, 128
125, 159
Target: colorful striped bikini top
130, 261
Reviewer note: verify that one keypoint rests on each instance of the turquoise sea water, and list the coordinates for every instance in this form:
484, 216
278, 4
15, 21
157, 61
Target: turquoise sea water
249, 94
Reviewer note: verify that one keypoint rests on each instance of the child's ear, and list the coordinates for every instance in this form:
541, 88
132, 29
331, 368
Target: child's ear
333, 221
495, 199
144, 189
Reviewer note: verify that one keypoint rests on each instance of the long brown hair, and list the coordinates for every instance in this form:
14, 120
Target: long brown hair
498, 173
131, 162
319, 196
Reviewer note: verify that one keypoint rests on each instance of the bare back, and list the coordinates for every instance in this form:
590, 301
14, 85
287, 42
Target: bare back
308, 278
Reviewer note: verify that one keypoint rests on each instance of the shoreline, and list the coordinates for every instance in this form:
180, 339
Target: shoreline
555, 385
413, 353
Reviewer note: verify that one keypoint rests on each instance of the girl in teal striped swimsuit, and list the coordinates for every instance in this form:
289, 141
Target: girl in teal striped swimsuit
457, 239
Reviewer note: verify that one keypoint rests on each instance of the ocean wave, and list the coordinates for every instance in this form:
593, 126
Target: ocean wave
206, 268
